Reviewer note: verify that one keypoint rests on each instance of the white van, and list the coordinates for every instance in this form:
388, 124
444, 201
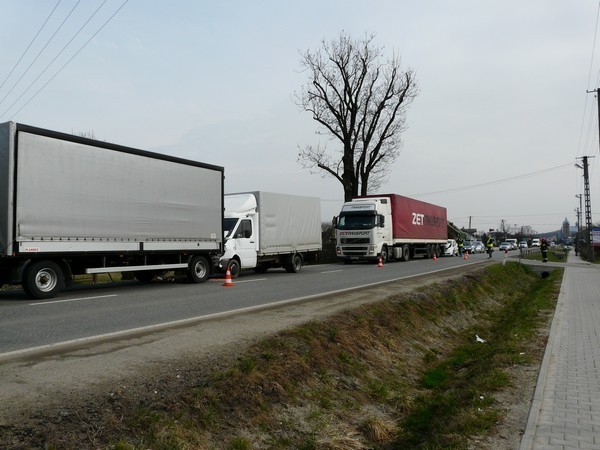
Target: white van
451, 248
513, 243
535, 242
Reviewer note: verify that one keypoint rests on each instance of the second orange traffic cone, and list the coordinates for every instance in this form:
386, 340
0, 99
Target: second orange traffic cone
466, 255
228, 281
380, 264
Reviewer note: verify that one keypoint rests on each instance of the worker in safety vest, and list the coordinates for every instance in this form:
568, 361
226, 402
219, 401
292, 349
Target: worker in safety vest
461, 245
490, 246
544, 250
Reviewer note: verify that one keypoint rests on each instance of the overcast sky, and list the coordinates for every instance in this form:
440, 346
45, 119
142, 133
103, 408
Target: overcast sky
494, 133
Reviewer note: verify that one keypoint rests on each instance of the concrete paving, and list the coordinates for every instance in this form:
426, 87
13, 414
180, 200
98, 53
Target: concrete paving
565, 413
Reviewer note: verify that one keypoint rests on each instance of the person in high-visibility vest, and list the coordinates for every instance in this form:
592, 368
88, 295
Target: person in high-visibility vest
461, 245
490, 246
544, 249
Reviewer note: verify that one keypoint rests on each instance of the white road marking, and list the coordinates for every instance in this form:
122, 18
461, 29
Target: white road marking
52, 302
333, 271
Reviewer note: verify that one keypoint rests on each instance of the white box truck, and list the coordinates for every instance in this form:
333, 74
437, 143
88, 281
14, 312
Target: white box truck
264, 230
71, 205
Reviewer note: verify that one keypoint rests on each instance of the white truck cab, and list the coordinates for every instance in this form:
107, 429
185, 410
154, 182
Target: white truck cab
364, 228
241, 230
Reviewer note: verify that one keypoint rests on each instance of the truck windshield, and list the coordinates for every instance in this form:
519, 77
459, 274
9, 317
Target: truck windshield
356, 222
229, 225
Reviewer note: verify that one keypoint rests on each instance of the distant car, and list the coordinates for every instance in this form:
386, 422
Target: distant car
478, 247
451, 248
535, 243
523, 244
505, 246
513, 243
469, 247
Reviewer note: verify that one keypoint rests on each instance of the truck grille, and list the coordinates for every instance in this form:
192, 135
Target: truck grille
354, 240
355, 251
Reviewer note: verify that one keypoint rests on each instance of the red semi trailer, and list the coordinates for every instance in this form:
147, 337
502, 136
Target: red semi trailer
390, 226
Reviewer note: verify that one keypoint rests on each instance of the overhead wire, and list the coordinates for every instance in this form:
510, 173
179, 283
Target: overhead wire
488, 183
40, 52
30, 44
585, 107
54, 59
69, 60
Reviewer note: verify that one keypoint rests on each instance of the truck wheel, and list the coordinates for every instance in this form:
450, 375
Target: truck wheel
198, 270
384, 254
405, 253
234, 268
43, 279
296, 264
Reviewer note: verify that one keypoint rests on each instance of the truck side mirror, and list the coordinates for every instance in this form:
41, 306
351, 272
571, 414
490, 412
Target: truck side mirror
334, 221
247, 234
381, 221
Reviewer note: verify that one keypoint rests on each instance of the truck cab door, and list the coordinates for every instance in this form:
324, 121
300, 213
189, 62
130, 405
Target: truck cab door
246, 243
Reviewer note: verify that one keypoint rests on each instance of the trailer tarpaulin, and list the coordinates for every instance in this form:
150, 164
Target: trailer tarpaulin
415, 219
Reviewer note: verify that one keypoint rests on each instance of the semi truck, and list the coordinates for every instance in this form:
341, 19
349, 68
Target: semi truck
265, 230
71, 205
390, 227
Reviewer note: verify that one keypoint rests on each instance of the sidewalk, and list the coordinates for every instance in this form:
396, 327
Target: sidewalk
565, 412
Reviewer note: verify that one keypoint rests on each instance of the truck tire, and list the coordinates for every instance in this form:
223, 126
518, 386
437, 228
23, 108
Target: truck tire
234, 268
296, 264
43, 279
405, 253
385, 256
429, 252
198, 269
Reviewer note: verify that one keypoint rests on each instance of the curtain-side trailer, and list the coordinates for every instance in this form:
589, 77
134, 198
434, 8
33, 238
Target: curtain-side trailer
71, 205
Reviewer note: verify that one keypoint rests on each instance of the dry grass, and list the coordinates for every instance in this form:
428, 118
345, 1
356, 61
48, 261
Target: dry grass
351, 382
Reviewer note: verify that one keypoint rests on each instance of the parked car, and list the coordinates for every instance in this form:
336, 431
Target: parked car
505, 246
523, 244
451, 248
478, 247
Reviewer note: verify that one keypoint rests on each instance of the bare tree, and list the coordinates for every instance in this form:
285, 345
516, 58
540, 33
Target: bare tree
359, 101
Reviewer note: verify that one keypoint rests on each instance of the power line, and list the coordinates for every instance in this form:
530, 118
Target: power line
30, 44
70, 59
488, 183
55, 58
40, 52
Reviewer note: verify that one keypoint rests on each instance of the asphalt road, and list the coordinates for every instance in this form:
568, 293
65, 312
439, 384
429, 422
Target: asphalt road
104, 311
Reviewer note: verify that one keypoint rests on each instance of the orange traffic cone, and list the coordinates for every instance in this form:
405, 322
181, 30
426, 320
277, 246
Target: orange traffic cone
434, 257
380, 264
228, 282
467, 254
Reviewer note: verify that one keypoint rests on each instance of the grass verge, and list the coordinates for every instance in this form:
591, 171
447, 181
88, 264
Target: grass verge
407, 372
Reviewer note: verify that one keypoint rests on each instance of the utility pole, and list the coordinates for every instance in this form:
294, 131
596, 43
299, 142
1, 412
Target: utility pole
579, 212
588, 207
